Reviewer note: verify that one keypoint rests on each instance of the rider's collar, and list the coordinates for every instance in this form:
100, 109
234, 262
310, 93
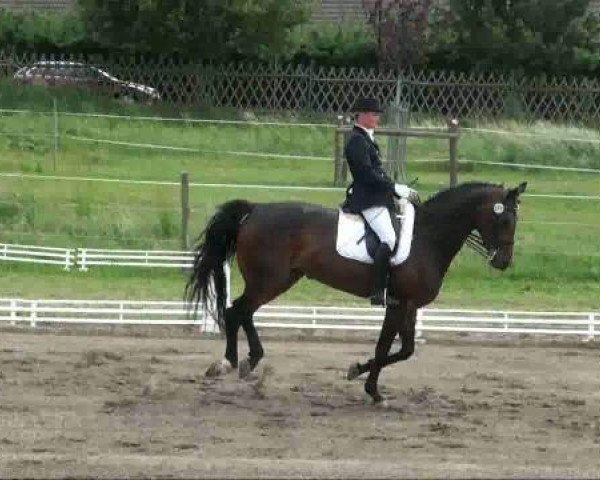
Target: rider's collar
370, 131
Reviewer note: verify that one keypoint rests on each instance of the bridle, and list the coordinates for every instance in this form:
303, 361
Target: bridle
475, 240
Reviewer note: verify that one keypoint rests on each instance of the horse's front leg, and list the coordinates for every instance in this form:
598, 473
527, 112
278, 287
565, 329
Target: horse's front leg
407, 336
391, 323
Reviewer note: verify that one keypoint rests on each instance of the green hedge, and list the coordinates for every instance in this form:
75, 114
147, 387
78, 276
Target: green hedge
44, 32
561, 38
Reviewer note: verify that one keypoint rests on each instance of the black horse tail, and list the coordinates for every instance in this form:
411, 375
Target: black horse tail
216, 244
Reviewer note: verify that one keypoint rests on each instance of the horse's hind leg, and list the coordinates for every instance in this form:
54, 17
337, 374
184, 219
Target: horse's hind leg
255, 352
233, 318
257, 295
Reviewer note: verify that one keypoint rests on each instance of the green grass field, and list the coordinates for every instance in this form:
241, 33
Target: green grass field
557, 263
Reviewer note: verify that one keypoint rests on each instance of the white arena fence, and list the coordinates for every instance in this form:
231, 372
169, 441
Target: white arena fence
34, 254
87, 257
585, 325
84, 258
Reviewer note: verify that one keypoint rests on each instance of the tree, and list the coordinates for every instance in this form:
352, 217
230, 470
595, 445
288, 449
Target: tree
47, 32
198, 28
526, 35
401, 27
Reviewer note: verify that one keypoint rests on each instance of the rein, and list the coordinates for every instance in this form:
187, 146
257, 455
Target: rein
475, 242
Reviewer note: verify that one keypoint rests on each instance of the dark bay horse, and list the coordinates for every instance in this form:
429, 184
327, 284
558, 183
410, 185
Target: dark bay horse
279, 243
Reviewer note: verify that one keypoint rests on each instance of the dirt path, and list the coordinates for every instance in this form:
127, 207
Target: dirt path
126, 407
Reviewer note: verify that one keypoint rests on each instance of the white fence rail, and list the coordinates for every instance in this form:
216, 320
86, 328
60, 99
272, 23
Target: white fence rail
34, 312
34, 254
100, 312
586, 324
87, 257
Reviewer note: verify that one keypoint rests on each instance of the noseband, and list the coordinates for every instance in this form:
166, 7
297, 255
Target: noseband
476, 243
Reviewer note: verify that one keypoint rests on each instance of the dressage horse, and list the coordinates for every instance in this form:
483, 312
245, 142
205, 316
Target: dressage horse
279, 243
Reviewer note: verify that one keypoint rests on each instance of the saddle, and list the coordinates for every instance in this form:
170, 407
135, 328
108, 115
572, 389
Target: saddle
357, 241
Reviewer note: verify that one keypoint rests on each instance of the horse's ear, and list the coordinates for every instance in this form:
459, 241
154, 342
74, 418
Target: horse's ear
514, 193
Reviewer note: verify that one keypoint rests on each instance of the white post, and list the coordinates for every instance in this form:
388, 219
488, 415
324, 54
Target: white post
227, 269
4, 250
56, 134
203, 321
419, 324
314, 316
591, 329
33, 314
82, 259
68, 263
13, 312
505, 315
120, 312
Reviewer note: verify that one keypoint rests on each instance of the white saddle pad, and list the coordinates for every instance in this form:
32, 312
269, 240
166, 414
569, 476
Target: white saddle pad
351, 244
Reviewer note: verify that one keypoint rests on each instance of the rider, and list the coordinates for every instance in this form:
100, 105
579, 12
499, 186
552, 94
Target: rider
372, 190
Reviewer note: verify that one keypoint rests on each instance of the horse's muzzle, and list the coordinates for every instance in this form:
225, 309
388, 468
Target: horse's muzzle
501, 258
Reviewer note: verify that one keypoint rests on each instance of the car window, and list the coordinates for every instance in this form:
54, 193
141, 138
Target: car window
49, 70
42, 71
79, 71
92, 72
55, 71
67, 71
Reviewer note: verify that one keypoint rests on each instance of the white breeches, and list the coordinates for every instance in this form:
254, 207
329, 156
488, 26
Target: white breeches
379, 220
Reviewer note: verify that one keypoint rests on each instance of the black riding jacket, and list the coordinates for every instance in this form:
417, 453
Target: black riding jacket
371, 185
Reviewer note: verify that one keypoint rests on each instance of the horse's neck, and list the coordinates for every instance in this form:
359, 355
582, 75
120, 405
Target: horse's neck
446, 234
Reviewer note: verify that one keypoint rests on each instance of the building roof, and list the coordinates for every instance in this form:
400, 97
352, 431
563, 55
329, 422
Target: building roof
335, 11
37, 4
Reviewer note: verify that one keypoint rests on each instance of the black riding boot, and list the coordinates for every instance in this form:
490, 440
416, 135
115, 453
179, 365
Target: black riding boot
381, 266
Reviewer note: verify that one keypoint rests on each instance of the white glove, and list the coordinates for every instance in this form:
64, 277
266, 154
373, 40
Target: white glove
403, 191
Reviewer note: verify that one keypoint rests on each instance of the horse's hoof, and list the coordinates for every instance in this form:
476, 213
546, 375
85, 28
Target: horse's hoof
353, 371
244, 369
218, 368
382, 404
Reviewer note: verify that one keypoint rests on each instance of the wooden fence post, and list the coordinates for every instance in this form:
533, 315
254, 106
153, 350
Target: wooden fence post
453, 129
337, 153
185, 210
345, 138
56, 134
396, 151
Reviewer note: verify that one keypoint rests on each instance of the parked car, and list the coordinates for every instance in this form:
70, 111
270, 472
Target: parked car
51, 73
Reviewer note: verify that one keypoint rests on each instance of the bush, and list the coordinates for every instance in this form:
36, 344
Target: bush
46, 32
255, 29
349, 43
532, 36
